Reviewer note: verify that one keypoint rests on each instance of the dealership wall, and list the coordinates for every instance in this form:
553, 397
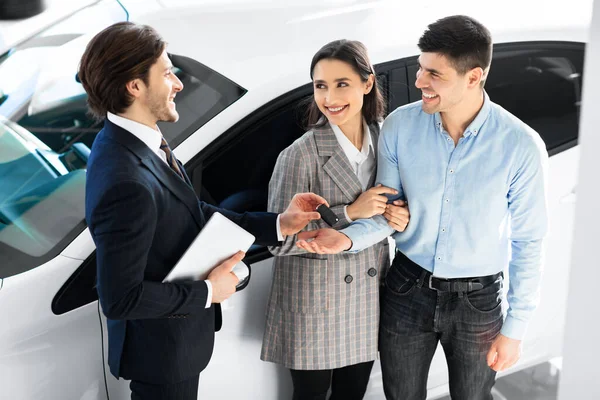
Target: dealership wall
581, 356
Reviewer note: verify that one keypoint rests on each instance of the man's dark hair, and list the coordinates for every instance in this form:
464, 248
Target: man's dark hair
355, 54
120, 53
464, 41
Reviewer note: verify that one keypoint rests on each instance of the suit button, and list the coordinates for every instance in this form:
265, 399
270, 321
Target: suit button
372, 272
348, 279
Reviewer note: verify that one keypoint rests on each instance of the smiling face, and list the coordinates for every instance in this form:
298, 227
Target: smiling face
160, 92
339, 92
442, 87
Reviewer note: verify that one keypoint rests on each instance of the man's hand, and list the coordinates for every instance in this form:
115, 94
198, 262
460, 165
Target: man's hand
397, 215
370, 202
324, 241
503, 353
300, 212
224, 281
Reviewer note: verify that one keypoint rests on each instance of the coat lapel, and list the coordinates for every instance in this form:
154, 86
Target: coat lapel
179, 187
337, 166
374, 132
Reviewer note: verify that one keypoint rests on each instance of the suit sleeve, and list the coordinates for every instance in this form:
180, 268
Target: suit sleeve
290, 176
123, 224
262, 225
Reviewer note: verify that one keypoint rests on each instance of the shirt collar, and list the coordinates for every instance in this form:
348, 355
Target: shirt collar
350, 150
477, 123
149, 136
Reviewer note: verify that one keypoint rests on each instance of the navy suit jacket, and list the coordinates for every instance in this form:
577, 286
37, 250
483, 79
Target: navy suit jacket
142, 217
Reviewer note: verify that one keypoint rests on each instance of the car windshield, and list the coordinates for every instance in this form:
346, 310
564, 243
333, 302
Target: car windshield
45, 136
46, 133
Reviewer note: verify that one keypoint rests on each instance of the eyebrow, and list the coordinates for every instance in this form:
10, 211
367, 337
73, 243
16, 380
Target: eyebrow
337, 80
430, 70
169, 67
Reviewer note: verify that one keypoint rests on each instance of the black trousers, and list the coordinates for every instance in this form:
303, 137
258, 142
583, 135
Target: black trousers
185, 390
347, 383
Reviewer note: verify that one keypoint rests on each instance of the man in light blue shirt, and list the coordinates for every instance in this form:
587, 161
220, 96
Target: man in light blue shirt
474, 178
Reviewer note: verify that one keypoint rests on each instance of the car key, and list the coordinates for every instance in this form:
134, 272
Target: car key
327, 215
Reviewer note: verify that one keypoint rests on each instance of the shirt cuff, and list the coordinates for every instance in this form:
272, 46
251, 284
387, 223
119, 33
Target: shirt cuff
209, 296
346, 214
353, 232
514, 328
279, 235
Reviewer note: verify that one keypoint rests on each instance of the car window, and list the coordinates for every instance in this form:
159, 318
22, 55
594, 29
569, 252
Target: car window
236, 176
541, 85
45, 139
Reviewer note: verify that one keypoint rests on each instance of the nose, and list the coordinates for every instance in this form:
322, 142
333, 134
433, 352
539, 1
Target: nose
178, 86
421, 81
330, 97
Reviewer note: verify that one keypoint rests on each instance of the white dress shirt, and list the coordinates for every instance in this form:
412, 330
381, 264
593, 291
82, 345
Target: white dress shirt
362, 161
152, 138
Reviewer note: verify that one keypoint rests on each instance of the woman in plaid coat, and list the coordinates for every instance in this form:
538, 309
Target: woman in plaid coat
323, 311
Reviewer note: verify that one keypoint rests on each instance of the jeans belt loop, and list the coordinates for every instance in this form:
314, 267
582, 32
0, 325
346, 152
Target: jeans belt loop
421, 279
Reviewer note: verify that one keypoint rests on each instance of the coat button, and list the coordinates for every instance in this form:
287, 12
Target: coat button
348, 279
372, 272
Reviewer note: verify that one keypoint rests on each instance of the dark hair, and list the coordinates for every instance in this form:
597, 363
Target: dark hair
120, 53
464, 41
355, 54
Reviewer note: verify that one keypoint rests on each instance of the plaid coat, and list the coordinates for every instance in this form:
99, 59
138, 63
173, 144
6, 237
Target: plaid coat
323, 311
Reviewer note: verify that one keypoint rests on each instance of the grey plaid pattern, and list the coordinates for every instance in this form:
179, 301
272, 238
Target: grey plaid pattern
315, 320
164, 146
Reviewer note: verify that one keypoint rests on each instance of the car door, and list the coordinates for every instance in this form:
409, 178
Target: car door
50, 343
540, 83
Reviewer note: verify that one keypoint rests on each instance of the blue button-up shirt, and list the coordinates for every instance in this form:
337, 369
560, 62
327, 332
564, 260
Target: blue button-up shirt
471, 205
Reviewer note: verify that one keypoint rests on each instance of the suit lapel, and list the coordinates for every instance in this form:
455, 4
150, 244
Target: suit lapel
181, 189
337, 166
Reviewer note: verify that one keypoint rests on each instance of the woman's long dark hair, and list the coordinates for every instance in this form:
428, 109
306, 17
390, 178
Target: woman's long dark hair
353, 53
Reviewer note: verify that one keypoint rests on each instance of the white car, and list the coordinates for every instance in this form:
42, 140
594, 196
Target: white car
246, 71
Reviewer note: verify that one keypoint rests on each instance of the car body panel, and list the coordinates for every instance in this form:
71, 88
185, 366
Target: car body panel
42, 355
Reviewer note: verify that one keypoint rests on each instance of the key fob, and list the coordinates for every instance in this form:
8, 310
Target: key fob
327, 215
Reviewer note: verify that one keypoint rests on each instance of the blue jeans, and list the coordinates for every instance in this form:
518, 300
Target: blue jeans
414, 318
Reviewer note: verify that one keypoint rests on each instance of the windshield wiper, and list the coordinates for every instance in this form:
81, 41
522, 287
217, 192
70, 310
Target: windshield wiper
6, 54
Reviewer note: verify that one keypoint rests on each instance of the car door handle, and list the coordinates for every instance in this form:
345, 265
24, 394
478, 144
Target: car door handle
569, 198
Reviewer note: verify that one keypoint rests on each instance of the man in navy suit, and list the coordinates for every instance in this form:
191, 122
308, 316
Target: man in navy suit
143, 214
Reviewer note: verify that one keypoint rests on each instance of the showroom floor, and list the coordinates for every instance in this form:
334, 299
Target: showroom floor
539, 382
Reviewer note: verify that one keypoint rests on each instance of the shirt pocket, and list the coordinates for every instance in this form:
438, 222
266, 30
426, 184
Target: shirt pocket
303, 285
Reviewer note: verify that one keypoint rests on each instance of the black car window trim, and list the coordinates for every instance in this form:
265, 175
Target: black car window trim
232, 93
536, 46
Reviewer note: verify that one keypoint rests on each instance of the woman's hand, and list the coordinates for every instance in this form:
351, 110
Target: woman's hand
397, 215
370, 202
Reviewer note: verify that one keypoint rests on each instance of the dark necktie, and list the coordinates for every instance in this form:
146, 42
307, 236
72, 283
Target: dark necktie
164, 146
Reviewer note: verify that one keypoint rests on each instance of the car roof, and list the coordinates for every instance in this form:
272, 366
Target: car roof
255, 44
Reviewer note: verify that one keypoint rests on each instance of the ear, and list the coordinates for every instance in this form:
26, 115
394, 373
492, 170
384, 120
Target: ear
476, 75
369, 84
135, 88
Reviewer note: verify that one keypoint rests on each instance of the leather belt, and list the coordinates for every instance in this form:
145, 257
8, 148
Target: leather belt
443, 284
